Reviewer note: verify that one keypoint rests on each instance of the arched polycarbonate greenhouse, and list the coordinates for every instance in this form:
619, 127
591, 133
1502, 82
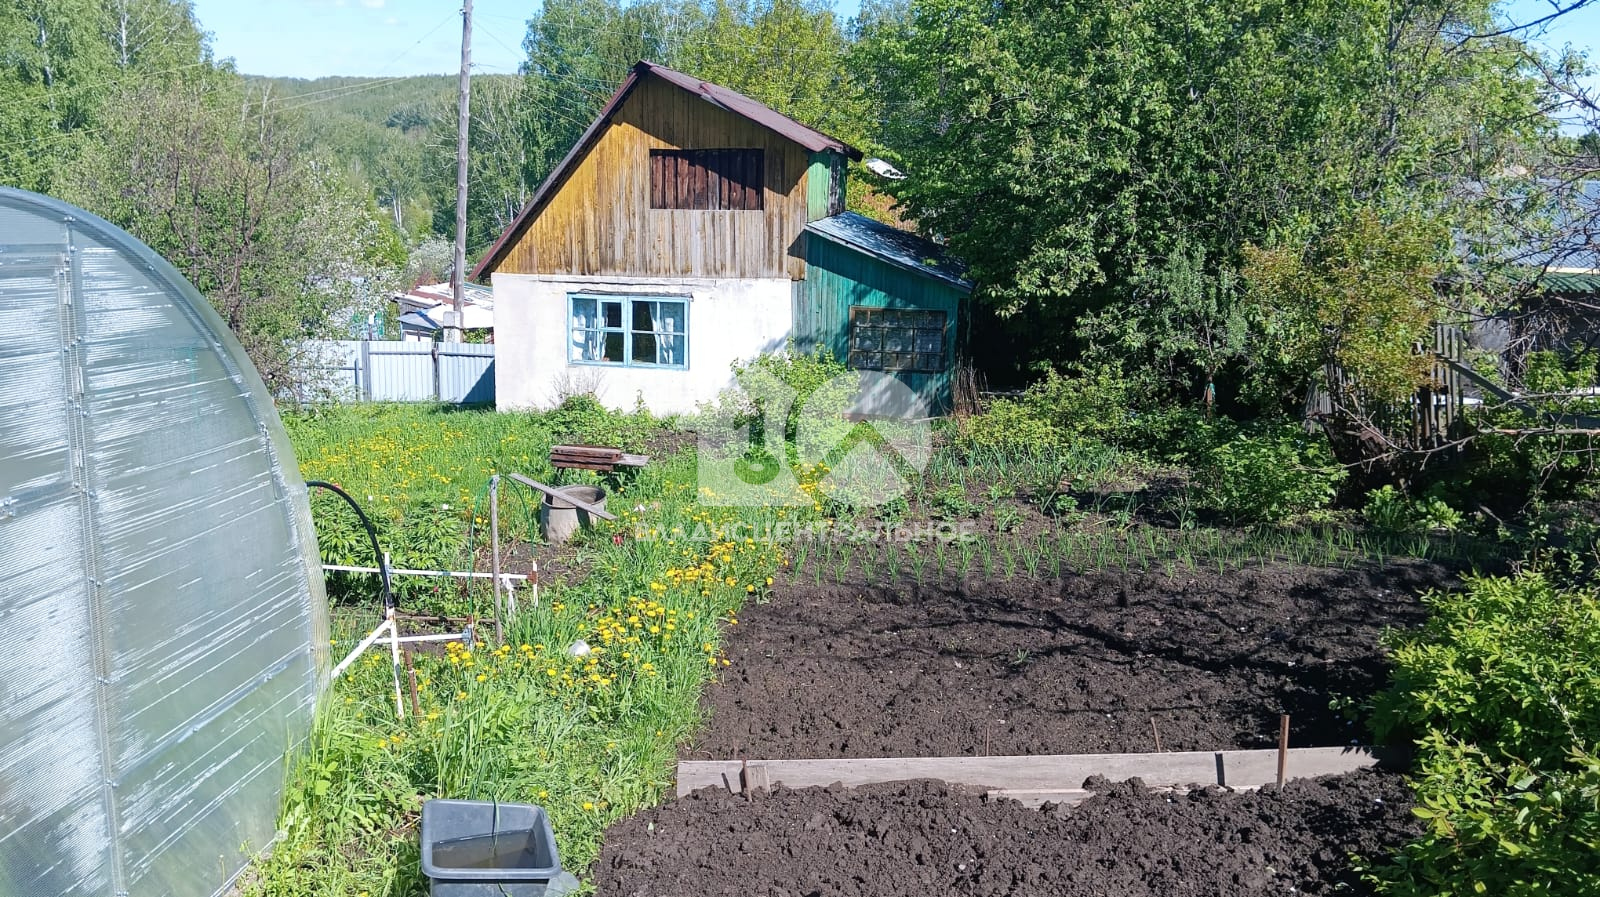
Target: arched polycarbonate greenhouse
163, 630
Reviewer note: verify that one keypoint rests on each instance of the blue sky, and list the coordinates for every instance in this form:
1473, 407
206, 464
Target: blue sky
312, 38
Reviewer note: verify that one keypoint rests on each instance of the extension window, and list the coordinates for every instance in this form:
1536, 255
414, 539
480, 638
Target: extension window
893, 339
635, 331
707, 179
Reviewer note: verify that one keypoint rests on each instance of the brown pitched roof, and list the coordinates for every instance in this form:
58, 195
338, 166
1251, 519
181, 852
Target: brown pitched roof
718, 96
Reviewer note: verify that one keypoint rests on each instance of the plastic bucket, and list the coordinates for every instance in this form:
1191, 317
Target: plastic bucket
472, 848
560, 519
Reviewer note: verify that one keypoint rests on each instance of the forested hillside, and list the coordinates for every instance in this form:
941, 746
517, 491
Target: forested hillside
396, 135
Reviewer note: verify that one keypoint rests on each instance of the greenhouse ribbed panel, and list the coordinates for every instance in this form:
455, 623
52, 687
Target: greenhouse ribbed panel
163, 629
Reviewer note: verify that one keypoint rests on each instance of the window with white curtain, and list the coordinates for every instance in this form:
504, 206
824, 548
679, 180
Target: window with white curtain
642, 331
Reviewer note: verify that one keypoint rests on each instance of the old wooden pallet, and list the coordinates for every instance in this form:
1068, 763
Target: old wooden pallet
1033, 780
593, 457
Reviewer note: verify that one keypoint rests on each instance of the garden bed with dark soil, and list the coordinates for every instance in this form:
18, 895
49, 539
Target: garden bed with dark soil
921, 838
1081, 664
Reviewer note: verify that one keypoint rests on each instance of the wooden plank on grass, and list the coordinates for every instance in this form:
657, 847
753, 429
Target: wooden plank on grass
1046, 773
561, 496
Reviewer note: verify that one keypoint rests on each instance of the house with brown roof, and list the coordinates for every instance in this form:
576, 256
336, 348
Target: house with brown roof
690, 228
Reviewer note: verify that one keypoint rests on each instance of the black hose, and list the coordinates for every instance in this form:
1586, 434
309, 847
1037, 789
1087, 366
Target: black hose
372, 534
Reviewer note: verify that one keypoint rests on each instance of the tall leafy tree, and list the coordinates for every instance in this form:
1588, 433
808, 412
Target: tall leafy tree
792, 55
225, 187
61, 59
156, 36
1072, 152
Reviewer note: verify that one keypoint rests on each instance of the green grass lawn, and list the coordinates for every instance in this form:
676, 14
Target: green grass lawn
591, 738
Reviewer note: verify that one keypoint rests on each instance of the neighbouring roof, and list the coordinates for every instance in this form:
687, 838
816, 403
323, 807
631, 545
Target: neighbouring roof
435, 293
715, 94
1568, 245
1570, 283
473, 317
890, 244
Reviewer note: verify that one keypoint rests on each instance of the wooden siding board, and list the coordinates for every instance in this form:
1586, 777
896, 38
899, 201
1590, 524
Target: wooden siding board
839, 278
611, 184
825, 181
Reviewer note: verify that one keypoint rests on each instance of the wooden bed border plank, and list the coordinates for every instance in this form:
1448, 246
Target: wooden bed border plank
1035, 774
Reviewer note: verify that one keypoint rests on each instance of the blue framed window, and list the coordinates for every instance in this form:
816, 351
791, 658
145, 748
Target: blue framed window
634, 331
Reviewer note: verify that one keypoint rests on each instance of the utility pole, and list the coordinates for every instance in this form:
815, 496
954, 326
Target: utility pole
458, 273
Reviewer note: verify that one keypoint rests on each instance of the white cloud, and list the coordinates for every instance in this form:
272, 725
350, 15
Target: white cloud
373, 4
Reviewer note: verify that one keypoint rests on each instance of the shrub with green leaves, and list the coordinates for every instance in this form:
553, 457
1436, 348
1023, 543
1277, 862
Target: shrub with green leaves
1390, 510
1272, 474
1095, 402
582, 420
1510, 472
1009, 426
806, 395
1175, 434
1500, 692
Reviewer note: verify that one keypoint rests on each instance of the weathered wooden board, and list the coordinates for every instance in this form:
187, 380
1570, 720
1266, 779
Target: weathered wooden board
600, 221
1060, 774
562, 496
594, 457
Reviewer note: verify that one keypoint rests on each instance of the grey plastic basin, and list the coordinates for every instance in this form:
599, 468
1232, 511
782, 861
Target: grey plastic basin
472, 848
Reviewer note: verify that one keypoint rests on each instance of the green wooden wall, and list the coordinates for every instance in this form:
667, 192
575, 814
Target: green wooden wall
838, 277
825, 180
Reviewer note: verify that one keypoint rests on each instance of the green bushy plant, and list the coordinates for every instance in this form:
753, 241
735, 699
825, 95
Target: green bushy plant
1389, 509
1085, 403
1270, 474
1512, 663
952, 502
1097, 402
1009, 426
1500, 692
1434, 513
1510, 472
1176, 434
803, 395
583, 420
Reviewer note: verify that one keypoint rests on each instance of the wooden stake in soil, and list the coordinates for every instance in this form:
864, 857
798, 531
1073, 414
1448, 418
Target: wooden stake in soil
494, 550
1156, 732
416, 703
1283, 748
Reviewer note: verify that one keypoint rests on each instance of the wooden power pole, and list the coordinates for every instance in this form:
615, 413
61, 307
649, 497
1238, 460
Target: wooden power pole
458, 273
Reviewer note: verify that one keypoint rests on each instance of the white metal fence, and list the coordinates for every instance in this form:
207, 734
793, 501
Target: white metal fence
396, 371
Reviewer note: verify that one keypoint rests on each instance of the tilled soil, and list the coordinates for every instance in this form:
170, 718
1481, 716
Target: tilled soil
922, 838
1083, 664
